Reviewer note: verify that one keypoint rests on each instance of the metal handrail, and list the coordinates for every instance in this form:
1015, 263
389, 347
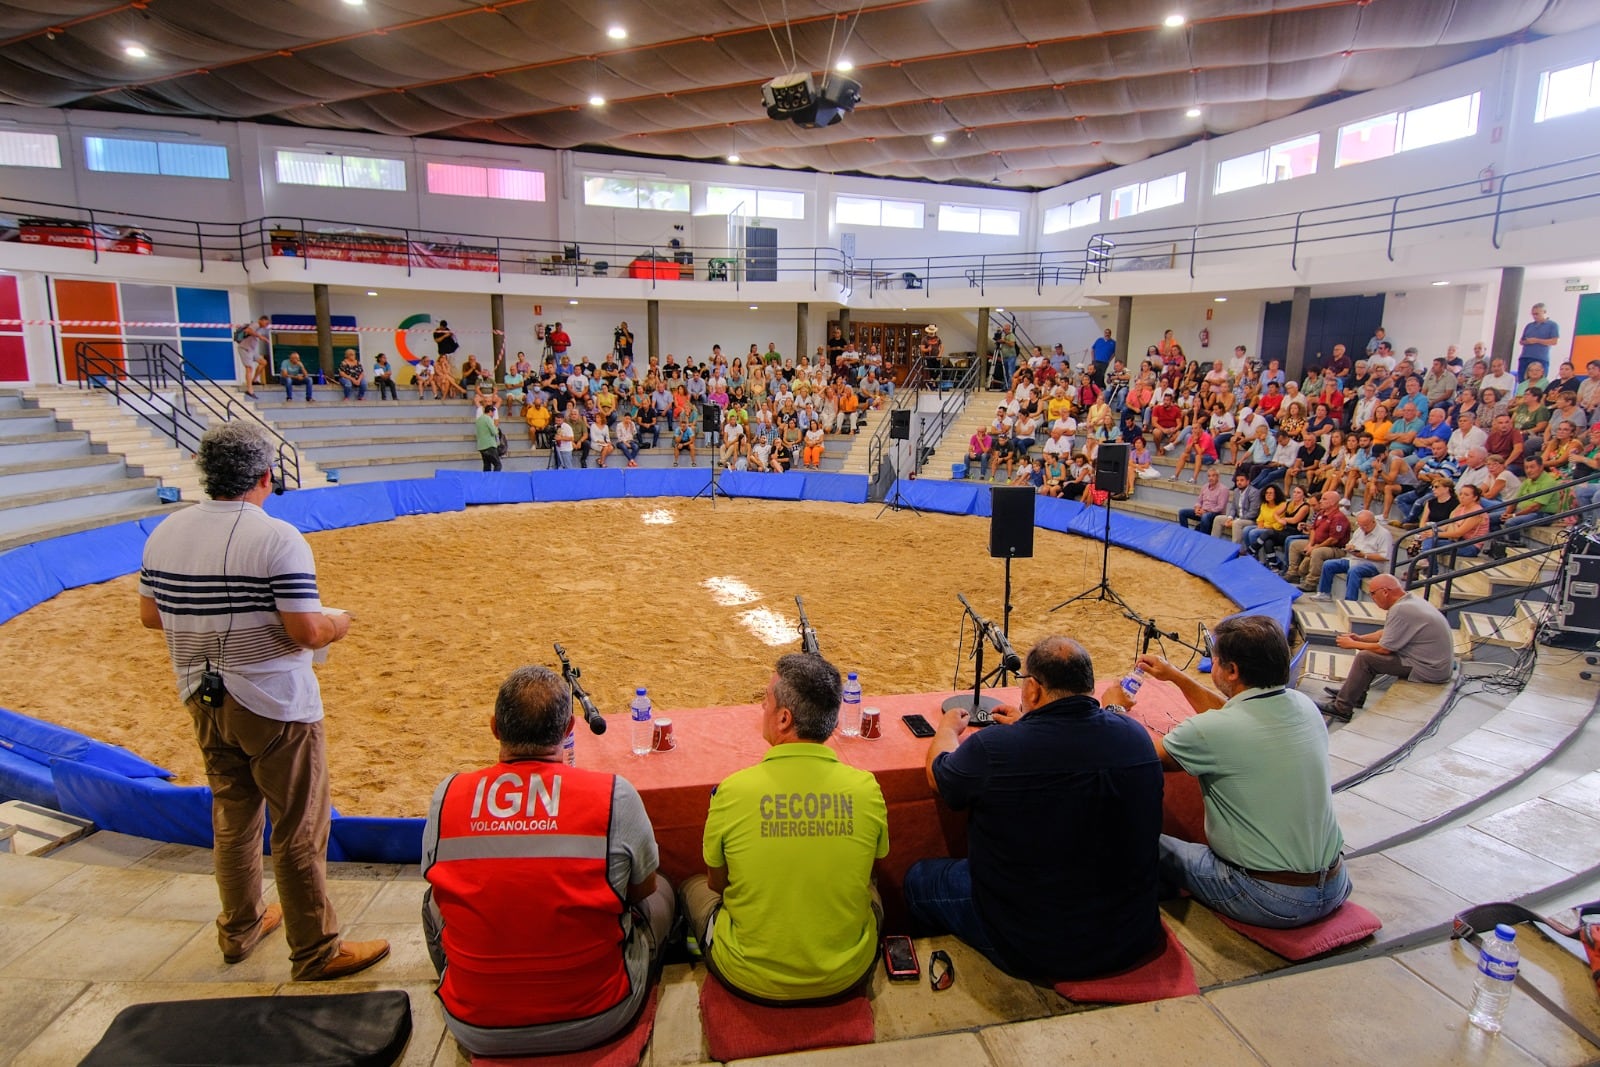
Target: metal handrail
1423, 531
196, 397
954, 402
915, 375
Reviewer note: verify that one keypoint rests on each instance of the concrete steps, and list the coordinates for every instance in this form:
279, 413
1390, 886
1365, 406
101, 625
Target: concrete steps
119, 432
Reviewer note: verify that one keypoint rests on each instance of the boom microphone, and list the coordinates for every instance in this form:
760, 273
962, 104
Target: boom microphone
995, 636
569, 674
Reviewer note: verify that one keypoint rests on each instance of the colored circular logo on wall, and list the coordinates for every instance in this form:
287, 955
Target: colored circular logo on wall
401, 340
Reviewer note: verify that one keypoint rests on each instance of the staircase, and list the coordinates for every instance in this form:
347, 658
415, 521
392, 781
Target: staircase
56, 477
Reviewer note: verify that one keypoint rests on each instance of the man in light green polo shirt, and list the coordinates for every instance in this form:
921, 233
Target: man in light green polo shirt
788, 912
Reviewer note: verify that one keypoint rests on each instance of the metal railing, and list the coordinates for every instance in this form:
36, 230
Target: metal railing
905, 395
153, 380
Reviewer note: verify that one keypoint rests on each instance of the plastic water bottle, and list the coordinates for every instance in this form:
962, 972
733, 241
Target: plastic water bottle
850, 707
644, 730
1497, 969
569, 748
1132, 683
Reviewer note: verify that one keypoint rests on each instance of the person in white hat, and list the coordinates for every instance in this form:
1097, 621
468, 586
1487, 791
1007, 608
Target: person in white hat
932, 349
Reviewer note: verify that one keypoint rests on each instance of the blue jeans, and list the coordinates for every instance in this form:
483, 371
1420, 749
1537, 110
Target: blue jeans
1585, 494
1355, 570
289, 383
1436, 542
938, 894
1203, 523
1267, 476
1228, 890
563, 460
360, 389
1411, 504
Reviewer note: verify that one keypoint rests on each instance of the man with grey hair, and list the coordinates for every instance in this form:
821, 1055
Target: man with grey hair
1065, 800
787, 912
534, 868
1415, 643
234, 591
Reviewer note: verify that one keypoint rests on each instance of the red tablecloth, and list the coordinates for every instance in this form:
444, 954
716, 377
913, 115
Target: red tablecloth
715, 742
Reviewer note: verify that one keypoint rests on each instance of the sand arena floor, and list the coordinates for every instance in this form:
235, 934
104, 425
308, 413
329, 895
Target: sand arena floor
691, 601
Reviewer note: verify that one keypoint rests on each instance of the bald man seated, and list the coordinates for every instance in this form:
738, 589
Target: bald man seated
1414, 643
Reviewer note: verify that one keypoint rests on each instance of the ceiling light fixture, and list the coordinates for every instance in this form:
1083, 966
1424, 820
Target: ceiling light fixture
1193, 113
844, 66
939, 138
1441, 283
1173, 21
755, 307
356, 3
574, 303
616, 33
371, 292
135, 51
1219, 300
596, 100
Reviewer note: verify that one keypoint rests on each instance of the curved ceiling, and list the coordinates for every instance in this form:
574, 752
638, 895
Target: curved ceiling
1028, 93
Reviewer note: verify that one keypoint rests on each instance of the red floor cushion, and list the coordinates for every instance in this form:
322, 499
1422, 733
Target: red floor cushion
1165, 975
624, 1050
737, 1029
1349, 924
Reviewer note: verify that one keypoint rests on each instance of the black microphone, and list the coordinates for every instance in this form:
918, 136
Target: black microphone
996, 637
808, 636
569, 674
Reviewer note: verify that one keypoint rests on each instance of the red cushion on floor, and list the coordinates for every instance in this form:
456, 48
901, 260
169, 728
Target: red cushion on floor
624, 1050
1167, 975
737, 1029
1345, 926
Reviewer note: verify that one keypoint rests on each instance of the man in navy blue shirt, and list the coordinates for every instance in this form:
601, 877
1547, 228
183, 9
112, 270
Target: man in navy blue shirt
1105, 348
1538, 338
1065, 815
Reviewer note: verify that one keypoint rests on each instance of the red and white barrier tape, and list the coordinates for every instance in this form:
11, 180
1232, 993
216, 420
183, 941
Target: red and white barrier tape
423, 327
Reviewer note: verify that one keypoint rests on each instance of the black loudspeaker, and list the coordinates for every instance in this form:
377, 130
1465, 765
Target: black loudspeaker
900, 425
711, 418
1111, 468
1011, 521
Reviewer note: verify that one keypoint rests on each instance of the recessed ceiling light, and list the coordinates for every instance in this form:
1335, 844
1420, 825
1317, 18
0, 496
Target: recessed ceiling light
733, 157
356, 3
135, 51
1173, 21
372, 292
597, 100
1219, 300
616, 33
939, 138
1193, 112
574, 303
844, 66
999, 309
755, 307
1441, 283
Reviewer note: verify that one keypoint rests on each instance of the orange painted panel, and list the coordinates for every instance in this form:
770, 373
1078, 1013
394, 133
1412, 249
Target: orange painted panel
81, 300
1584, 349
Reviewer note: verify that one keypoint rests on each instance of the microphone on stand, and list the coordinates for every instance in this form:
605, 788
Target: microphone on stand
569, 674
995, 636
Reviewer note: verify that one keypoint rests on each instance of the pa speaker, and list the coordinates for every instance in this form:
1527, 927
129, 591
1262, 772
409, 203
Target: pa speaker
1111, 468
711, 417
1011, 521
900, 425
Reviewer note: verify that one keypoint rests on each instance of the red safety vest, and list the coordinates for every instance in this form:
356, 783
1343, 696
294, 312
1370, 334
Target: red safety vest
532, 927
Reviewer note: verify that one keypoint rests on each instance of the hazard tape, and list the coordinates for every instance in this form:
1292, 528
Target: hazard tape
229, 326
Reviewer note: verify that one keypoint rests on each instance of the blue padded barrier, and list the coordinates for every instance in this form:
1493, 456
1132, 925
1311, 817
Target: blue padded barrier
42, 742
591, 484
951, 498
764, 486
1249, 584
425, 496
1052, 513
150, 522
371, 839
1297, 663
332, 508
144, 807
843, 488
983, 500
663, 481
24, 581
491, 487
23, 779
92, 556
1199, 553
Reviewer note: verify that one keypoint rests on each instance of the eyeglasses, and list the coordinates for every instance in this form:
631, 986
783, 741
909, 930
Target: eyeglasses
941, 972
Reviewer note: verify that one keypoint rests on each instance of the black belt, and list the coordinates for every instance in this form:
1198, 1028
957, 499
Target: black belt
1299, 878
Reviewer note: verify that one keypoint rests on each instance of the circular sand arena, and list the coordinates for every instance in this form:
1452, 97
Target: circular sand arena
692, 601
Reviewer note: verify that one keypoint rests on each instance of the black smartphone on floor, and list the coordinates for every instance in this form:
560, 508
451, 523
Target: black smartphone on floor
919, 726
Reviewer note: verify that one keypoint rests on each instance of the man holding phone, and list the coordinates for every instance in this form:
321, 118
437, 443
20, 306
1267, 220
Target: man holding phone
787, 912
1065, 802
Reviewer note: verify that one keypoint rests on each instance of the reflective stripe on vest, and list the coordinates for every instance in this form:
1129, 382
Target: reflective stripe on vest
533, 931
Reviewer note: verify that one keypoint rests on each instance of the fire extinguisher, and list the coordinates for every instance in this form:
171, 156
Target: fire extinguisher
1205, 337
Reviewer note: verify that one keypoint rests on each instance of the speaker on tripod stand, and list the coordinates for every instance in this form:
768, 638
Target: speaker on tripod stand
1111, 468
900, 424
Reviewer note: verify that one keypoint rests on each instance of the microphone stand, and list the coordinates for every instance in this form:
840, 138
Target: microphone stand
978, 706
808, 636
569, 674
1150, 633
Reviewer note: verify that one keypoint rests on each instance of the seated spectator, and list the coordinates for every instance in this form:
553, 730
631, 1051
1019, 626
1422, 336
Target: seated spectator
1239, 514
471, 373
787, 912
1414, 643
293, 372
1469, 520
1043, 897
1366, 554
1261, 756
627, 439
383, 378
1391, 475
1278, 520
600, 439
1213, 500
1534, 501
352, 376
1201, 445
537, 415
445, 384
424, 377
684, 437
570, 966
1325, 540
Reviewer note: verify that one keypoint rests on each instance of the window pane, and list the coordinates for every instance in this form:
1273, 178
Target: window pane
508, 183
958, 218
1000, 222
781, 204
906, 216
725, 199
1448, 120
1086, 212
1365, 141
856, 211
309, 168
603, 190
120, 156
370, 172
1242, 172
1057, 218
30, 150
1164, 192
1294, 159
664, 196
1125, 201
1565, 92
192, 160
454, 179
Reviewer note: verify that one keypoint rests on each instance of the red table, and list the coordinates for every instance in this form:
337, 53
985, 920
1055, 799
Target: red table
715, 742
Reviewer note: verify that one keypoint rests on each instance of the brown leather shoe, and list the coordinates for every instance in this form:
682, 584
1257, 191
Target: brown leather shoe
271, 919
352, 956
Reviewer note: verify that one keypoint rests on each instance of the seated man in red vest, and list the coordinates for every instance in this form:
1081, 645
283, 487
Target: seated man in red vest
788, 912
544, 916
